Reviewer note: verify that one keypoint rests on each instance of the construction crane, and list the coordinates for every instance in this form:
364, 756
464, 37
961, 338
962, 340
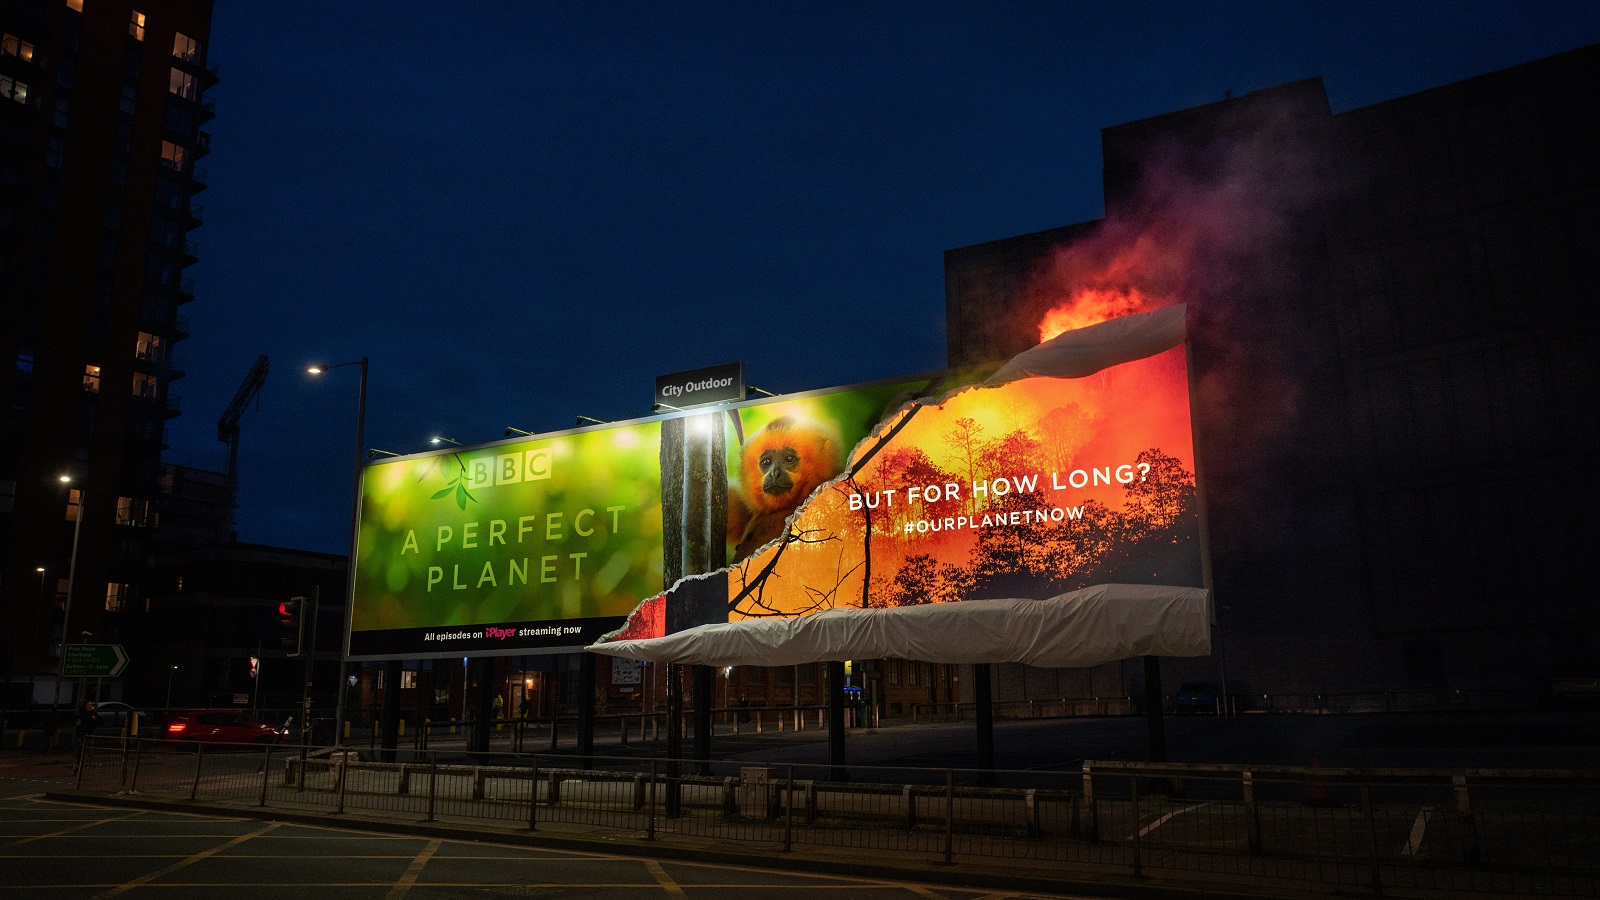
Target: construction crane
228, 427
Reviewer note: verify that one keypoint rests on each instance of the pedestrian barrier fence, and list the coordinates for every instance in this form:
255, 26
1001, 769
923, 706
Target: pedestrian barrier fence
1361, 830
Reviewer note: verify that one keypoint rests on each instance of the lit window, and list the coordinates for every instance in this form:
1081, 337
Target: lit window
11, 45
173, 155
182, 84
408, 679
148, 347
91, 379
132, 511
136, 26
14, 89
116, 594
185, 47
75, 5
146, 386
74, 499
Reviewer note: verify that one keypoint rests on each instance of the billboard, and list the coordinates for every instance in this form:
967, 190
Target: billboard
509, 547
1030, 488
928, 489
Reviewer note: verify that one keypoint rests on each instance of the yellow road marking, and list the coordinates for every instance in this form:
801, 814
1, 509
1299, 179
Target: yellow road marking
68, 831
186, 861
662, 878
413, 871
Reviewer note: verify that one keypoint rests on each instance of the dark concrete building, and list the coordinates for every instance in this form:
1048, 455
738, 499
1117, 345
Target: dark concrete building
102, 106
1396, 355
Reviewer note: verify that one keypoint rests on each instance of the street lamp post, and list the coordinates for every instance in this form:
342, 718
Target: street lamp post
355, 534
170, 672
66, 609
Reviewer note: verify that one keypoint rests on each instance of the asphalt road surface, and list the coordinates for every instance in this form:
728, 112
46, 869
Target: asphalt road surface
61, 851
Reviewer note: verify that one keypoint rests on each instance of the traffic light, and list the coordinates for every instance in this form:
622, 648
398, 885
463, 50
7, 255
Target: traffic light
290, 617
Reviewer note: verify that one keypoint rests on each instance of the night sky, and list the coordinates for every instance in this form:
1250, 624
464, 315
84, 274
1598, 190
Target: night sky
525, 212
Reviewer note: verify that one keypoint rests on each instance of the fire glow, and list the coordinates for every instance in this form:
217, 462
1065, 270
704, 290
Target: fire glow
1091, 306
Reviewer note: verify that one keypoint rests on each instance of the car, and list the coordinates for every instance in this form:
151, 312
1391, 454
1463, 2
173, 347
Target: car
221, 726
115, 717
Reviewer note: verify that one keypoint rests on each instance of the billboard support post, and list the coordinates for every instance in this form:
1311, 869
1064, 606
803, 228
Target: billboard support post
705, 694
586, 709
836, 720
674, 739
391, 708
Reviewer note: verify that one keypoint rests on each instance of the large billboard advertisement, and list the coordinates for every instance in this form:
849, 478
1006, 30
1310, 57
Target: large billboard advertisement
927, 489
1030, 488
512, 546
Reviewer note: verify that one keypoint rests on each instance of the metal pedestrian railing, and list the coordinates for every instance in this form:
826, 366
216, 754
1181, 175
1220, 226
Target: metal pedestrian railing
1361, 830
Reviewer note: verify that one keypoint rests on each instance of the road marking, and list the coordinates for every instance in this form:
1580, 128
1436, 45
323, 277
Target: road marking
68, 831
413, 871
182, 863
663, 879
1168, 817
1418, 827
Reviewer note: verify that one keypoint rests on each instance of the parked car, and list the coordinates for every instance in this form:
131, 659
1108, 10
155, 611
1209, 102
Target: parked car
221, 726
115, 716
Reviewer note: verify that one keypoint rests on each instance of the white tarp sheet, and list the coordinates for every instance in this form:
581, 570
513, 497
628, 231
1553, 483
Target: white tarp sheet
1085, 351
1086, 627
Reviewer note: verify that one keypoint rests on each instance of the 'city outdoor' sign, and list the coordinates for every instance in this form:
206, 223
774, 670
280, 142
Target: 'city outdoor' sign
717, 384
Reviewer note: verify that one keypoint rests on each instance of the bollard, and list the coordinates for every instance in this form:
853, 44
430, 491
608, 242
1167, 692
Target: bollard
1469, 829
1252, 815
266, 772
949, 817
138, 749
1133, 801
533, 797
199, 758
344, 771
433, 783
909, 798
347, 729
405, 779
1030, 805
477, 782
650, 810
1375, 873
622, 722
1091, 810
788, 806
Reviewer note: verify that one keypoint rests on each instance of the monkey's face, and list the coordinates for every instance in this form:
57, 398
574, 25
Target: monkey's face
778, 466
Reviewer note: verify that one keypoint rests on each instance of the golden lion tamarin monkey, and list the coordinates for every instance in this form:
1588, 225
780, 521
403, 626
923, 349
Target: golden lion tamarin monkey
778, 468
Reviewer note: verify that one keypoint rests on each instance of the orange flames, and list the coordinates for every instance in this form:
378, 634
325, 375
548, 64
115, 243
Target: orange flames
1091, 306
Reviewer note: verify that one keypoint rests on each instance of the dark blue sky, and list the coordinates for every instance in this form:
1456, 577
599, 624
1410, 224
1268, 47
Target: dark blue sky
525, 212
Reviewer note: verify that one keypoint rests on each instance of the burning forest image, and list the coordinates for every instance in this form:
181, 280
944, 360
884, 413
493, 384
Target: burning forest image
1028, 488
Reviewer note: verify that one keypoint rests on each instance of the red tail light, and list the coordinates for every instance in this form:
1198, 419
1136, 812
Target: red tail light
176, 727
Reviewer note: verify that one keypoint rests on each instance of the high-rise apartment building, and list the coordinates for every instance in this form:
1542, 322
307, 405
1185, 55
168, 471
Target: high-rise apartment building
102, 109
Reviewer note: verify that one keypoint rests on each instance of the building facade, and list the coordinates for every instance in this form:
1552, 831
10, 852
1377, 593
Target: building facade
102, 109
1396, 363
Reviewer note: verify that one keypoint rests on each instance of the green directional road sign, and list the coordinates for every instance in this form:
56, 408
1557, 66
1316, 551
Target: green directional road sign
94, 661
